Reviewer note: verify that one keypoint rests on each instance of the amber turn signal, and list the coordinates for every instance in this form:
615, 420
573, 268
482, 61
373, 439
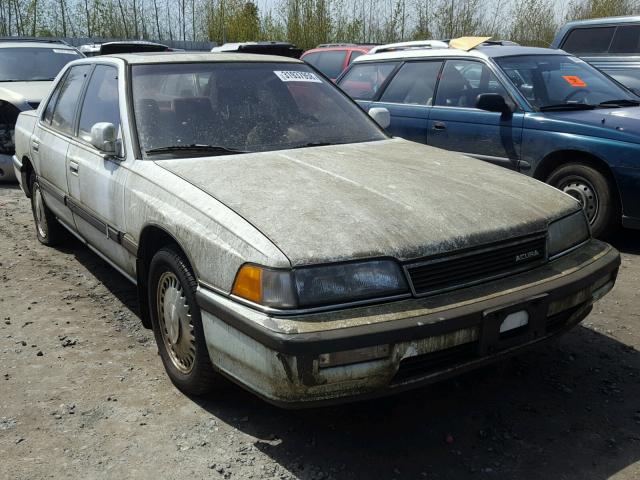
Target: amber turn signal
248, 283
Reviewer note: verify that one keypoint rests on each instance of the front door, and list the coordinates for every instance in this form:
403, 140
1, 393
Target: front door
456, 124
96, 180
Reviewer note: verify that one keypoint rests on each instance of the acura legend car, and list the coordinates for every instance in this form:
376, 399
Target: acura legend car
280, 238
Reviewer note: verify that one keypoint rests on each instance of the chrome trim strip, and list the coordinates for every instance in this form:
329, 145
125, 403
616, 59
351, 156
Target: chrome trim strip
52, 190
575, 247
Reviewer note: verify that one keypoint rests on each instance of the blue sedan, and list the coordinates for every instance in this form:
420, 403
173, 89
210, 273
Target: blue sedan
538, 111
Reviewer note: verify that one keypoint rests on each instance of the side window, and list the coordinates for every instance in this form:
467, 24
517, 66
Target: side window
312, 59
588, 40
414, 84
355, 54
48, 112
626, 40
330, 63
363, 81
463, 80
65, 109
100, 101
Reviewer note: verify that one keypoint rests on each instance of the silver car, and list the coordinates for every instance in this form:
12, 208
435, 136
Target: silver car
27, 69
280, 238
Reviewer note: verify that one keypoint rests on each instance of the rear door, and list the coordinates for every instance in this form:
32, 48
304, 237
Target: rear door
51, 139
409, 97
96, 180
456, 124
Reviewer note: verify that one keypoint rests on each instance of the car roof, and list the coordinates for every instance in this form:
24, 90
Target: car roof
31, 44
337, 47
190, 57
484, 51
604, 21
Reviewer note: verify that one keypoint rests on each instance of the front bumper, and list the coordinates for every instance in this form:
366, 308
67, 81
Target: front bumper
7, 172
427, 339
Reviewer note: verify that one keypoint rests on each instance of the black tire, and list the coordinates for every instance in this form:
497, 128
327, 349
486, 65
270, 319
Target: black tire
190, 371
48, 230
596, 193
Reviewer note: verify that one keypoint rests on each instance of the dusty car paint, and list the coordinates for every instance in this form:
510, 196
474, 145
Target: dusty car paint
391, 198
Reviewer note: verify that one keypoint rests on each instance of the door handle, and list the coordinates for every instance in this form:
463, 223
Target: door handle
35, 145
73, 167
439, 126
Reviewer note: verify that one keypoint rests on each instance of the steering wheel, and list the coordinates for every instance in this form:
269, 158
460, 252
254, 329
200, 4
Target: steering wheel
584, 91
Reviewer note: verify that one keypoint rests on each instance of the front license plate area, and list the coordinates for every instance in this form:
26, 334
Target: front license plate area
513, 324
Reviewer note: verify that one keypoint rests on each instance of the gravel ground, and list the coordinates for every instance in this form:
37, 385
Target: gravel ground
83, 394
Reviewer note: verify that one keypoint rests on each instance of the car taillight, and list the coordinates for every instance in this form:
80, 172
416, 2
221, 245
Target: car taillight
8, 117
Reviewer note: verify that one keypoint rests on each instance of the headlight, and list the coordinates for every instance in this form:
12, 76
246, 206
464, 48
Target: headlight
322, 285
566, 233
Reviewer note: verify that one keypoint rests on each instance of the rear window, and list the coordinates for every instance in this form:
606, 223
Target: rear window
626, 40
589, 40
329, 63
33, 64
364, 80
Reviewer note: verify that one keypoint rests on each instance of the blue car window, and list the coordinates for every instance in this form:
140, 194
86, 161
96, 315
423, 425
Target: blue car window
363, 81
626, 40
414, 84
547, 80
463, 80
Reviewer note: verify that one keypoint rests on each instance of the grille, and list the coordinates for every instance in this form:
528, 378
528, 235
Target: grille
476, 265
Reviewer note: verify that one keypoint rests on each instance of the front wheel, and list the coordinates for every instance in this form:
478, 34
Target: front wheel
48, 230
177, 324
594, 192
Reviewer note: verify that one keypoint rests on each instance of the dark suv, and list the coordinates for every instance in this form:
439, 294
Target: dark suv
610, 44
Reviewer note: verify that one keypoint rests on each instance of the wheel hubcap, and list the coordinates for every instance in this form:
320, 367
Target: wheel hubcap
39, 213
582, 190
175, 322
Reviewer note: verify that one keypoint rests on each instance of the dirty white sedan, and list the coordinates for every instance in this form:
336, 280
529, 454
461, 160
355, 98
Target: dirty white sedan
278, 237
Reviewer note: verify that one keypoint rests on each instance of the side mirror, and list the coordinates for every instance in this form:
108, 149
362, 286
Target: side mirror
381, 116
492, 102
103, 137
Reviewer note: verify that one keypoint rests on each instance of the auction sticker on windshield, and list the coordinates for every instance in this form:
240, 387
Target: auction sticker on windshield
574, 81
293, 76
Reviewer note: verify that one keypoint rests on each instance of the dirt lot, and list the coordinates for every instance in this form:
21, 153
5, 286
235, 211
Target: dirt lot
83, 394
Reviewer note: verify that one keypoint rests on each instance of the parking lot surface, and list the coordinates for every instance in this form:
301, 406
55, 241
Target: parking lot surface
83, 394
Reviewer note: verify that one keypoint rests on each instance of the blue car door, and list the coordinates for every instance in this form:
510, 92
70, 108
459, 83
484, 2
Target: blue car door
408, 97
456, 124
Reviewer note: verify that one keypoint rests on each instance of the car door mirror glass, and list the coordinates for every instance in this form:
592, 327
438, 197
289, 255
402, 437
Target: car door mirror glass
381, 116
492, 102
103, 137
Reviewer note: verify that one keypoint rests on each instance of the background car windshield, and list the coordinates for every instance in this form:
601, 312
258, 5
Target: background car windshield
243, 106
557, 79
33, 64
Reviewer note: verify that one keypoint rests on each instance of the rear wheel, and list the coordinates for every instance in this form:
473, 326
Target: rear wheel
48, 230
177, 324
594, 192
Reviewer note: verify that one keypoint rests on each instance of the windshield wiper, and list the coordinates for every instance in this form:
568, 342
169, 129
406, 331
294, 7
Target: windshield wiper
214, 149
315, 144
619, 103
567, 106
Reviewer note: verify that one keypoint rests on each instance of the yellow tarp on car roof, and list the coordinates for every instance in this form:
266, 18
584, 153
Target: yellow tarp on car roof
467, 43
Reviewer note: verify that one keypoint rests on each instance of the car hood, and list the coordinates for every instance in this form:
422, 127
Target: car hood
387, 198
621, 124
20, 92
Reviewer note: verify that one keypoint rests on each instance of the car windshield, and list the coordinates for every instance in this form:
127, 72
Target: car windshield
218, 108
31, 64
558, 81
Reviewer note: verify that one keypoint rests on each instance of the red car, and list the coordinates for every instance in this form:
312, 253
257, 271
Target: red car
333, 58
